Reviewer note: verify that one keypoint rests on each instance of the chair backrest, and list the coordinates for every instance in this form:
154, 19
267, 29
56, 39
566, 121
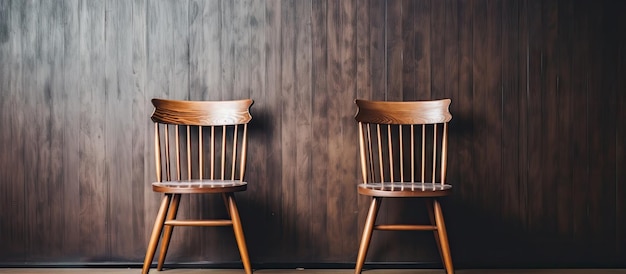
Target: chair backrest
403, 141
200, 139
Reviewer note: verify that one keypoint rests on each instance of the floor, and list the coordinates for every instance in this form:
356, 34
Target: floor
305, 271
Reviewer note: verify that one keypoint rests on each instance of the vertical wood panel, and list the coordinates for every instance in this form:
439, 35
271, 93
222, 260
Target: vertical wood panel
241, 48
319, 143
602, 135
51, 24
347, 151
438, 34
483, 45
549, 121
394, 49
71, 125
562, 110
341, 131
142, 174
510, 112
94, 230
334, 86
422, 24
36, 210
412, 54
522, 99
579, 143
363, 49
118, 139
463, 110
288, 125
612, 9
451, 47
11, 122
39, 150
273, 128
487, 117
378, 48
304, 129
463, 135
204, 50
533, 113
228, 48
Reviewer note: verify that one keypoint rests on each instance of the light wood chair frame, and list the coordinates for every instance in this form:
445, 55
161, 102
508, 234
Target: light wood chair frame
225, 170
416, 169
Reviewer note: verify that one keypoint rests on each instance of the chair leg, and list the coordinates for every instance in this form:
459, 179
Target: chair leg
431, 216
443, 237
367, 233
238, 229
156, 233
167, 233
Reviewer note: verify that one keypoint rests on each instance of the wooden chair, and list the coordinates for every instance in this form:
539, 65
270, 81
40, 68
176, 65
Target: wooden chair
200, 149
403, 151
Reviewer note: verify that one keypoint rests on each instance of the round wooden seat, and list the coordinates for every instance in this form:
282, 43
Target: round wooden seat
404, 189
200, 186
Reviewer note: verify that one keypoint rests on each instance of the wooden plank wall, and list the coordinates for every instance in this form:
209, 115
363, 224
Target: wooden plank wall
537, 150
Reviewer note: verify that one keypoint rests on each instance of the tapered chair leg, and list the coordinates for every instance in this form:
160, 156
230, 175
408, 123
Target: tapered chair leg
238, 229
367, 233
431, 217
443, 237
156, 233
168, 229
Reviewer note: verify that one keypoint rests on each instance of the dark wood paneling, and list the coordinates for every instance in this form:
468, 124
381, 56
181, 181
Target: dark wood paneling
319, 143
265, 109
288, 163
618, 24
537, 91
303, 129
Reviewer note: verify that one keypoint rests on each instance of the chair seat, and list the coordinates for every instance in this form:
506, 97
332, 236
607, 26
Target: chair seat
404, 189
199, 186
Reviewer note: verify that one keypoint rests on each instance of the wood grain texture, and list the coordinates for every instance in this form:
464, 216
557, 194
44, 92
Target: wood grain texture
319, 143
534, 81
141, 152
119, 107
288, 122
425, 47
11, 122
394, 49
304, 127
71, 147
271, 183
536, 89
94, 214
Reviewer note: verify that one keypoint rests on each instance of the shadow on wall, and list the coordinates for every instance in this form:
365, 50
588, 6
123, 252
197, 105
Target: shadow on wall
488, 225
